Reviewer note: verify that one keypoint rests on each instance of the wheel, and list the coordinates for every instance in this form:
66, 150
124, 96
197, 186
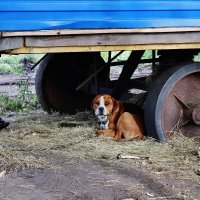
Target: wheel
57, 77
173, 102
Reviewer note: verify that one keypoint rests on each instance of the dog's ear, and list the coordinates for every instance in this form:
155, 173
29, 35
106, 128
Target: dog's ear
116, 105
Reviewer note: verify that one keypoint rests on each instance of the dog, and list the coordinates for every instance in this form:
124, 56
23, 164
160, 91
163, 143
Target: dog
114, 121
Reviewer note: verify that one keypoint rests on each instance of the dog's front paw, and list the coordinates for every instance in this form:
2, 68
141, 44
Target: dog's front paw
99, 132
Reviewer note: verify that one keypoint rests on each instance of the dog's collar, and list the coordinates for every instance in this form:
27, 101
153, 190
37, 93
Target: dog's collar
102, 122
103, 125
105, 121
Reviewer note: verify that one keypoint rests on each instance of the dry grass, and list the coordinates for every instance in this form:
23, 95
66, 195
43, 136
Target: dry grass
32, 138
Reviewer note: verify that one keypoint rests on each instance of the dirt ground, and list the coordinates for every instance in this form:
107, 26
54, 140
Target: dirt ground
94, 179
91, 178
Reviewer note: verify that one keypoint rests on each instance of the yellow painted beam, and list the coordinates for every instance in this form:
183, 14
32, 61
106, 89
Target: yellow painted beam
102, 48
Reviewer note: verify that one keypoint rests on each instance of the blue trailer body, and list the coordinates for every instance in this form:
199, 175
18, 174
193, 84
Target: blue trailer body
18, 15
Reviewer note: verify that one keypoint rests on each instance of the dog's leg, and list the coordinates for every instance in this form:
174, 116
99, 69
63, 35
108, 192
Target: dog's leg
118, 136
109, 132
129, 127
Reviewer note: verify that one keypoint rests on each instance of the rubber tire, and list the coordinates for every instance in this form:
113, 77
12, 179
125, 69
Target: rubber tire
57, 77
156, 96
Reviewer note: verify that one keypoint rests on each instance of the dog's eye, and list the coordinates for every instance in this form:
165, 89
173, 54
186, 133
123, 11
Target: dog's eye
97, 103
107, 103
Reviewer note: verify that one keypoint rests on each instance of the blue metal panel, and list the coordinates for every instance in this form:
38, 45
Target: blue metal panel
79, 14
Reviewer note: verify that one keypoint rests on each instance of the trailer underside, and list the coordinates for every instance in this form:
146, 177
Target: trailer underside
55, 41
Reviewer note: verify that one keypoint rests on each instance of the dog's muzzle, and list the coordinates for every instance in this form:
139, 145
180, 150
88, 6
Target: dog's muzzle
101, 110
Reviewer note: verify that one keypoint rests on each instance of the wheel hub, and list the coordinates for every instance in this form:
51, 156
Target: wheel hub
196, 115
189, 112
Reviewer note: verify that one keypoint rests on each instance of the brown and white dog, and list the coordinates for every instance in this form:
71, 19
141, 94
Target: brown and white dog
114, 121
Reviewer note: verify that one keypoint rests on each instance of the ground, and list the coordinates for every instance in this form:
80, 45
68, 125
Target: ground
59, 157
90, 179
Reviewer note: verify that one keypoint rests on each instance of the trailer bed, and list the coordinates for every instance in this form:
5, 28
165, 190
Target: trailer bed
45, 26
24, 15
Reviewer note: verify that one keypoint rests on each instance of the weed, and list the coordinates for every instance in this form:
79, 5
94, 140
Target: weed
25, 99
26, 96
9, 104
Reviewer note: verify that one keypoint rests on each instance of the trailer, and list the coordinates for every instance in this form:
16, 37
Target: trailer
72, 35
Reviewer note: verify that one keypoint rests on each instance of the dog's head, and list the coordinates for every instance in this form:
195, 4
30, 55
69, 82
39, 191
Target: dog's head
104, 105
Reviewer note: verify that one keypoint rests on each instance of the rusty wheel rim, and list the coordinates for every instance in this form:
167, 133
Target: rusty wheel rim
174, 103
181, 107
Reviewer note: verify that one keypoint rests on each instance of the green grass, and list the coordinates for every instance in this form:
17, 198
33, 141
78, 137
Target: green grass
24, 100
147, 55
197, 58
9, 104
124, 56
13, 63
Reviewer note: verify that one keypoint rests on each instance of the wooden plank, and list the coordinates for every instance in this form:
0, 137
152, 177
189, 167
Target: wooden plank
113, 39
103, 48
10, 43
98, 31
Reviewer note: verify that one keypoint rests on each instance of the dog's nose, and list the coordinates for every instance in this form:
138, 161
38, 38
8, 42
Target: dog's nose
101, 109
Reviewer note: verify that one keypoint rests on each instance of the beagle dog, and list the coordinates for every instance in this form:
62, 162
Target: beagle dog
114, 121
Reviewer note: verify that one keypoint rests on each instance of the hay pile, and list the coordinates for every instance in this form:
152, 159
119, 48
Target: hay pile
34, 137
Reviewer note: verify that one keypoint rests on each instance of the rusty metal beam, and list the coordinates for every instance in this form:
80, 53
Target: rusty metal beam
127, 72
